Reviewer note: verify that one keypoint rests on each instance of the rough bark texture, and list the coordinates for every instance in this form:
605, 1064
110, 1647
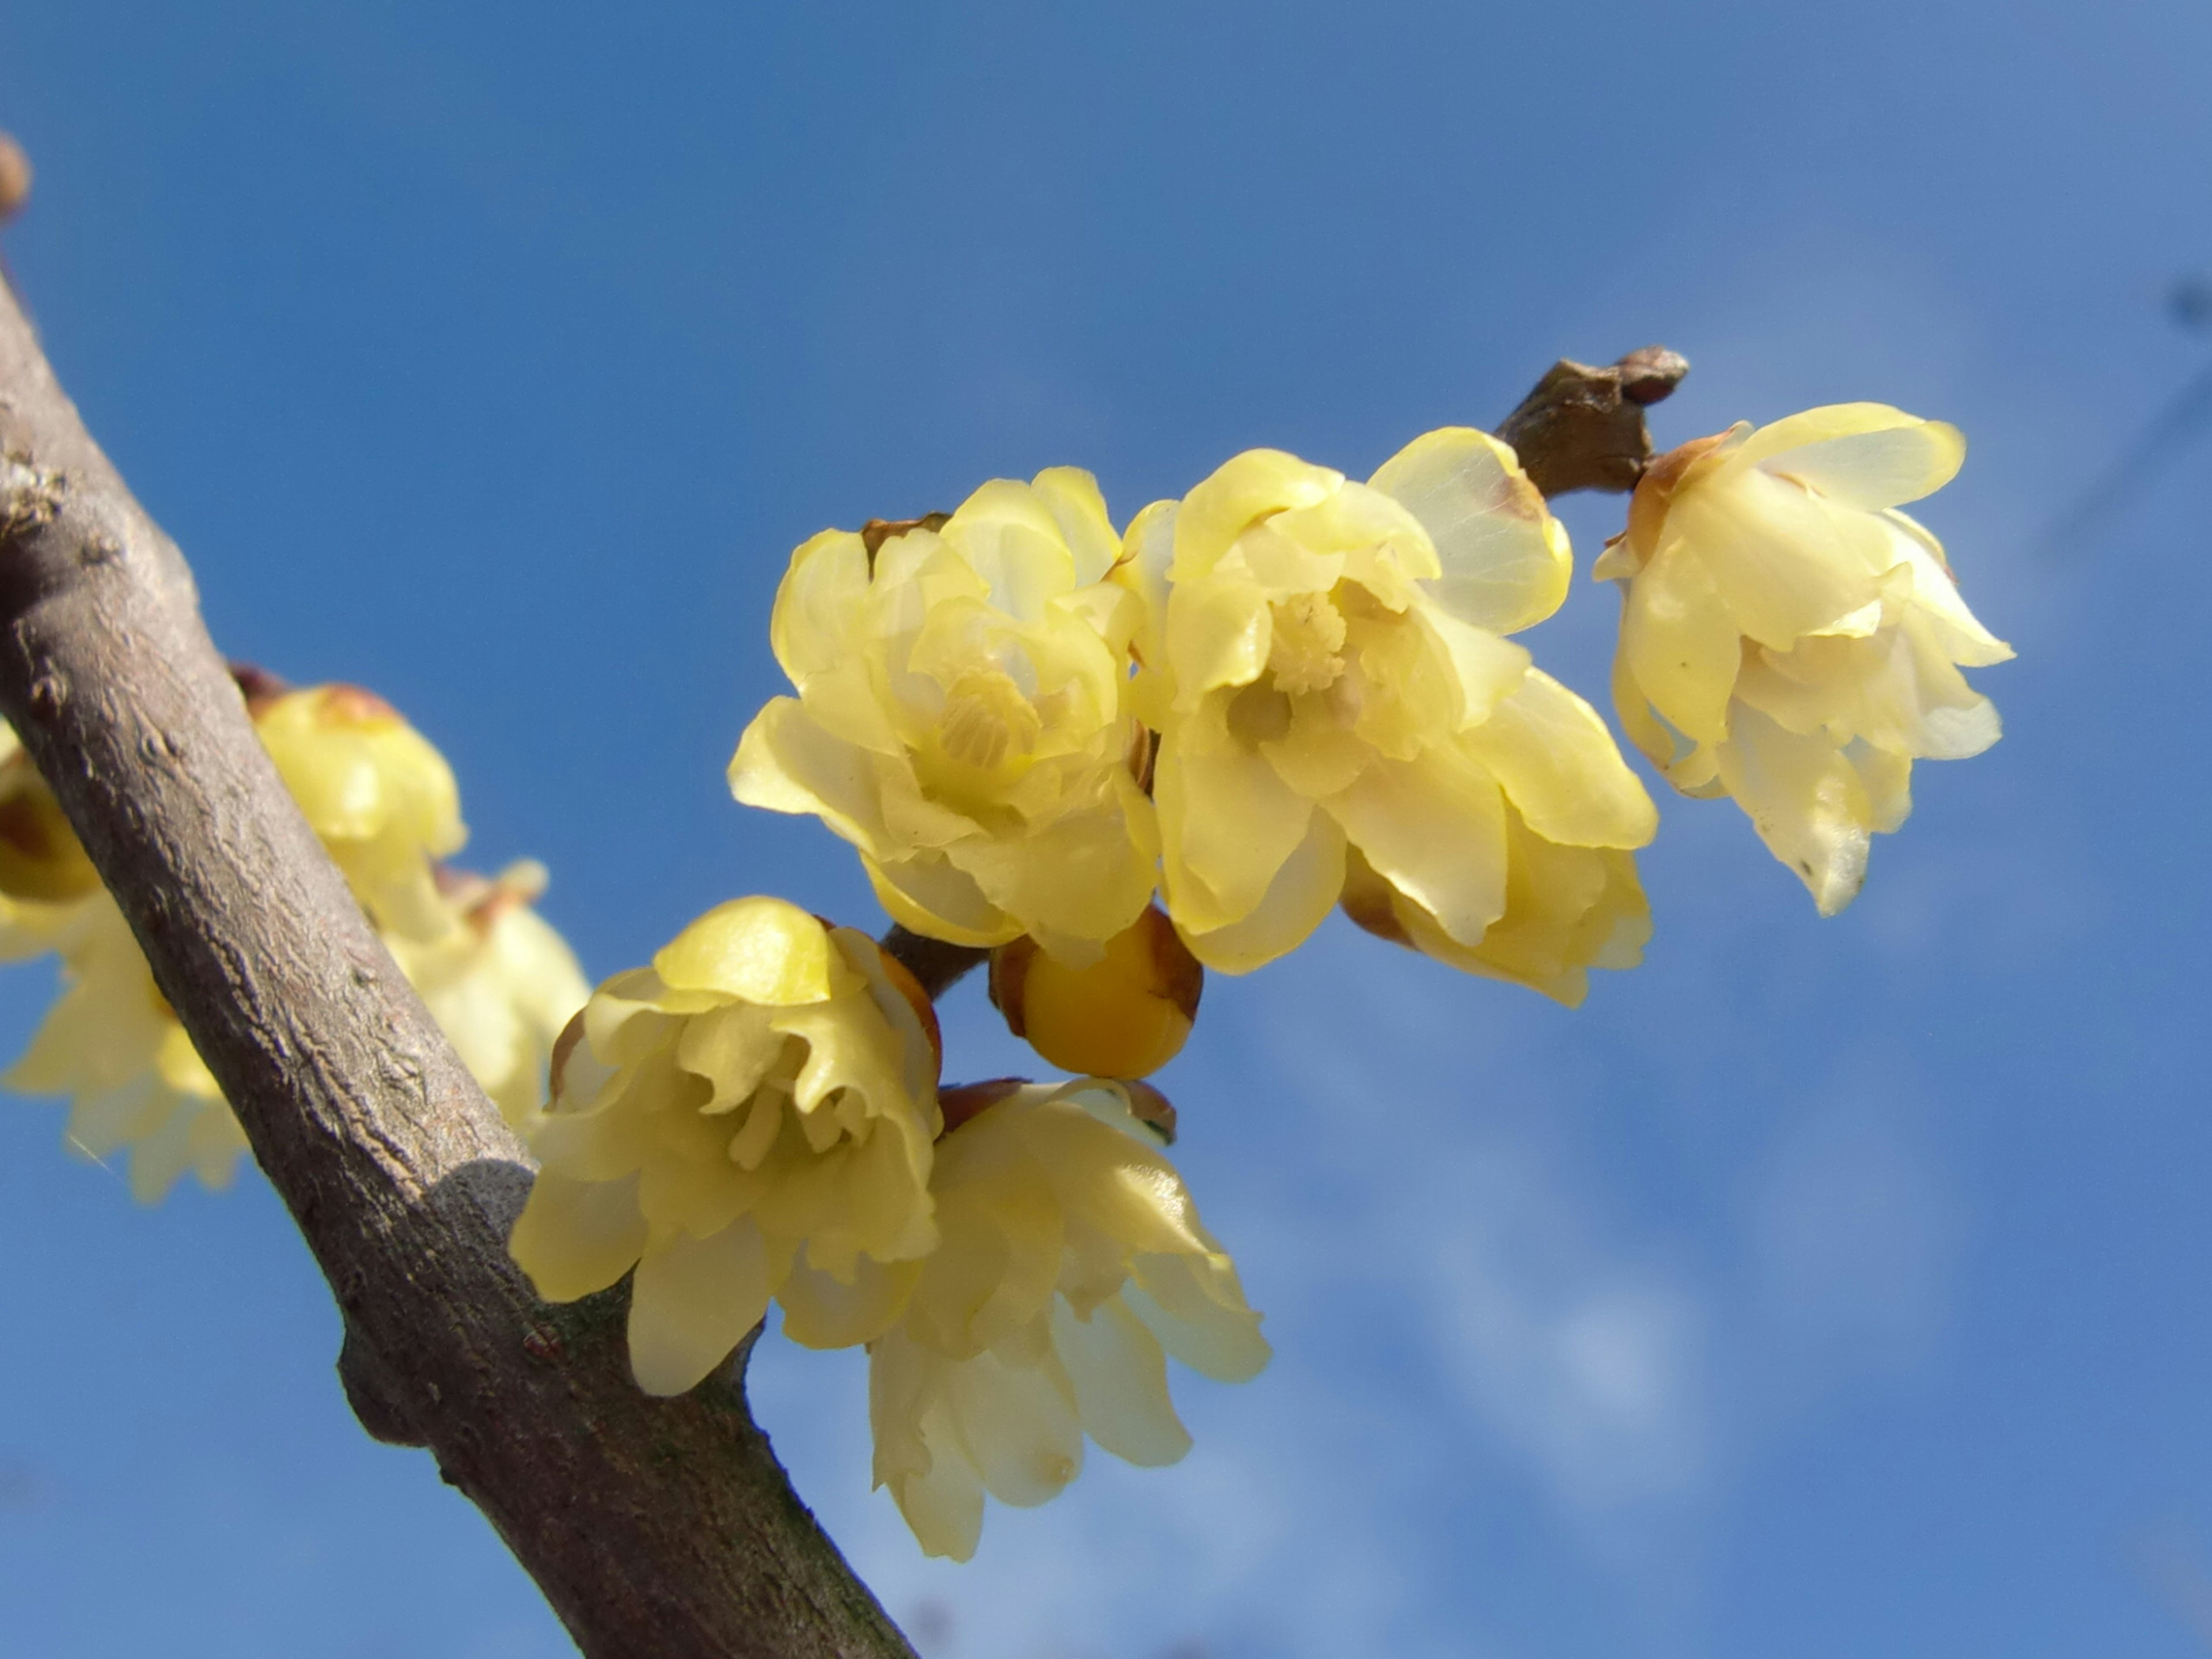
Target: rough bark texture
1582, 428
656, 1528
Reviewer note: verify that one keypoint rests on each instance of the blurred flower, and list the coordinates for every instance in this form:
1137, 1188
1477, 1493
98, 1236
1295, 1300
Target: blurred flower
501, 982
1072, 1261
961, 718
768, 1084
113, 1045
1324, 662
1790, 639
1124, 1016
44, 876
381, 799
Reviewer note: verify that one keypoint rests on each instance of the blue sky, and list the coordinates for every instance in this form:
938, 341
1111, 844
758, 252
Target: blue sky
1822, 1288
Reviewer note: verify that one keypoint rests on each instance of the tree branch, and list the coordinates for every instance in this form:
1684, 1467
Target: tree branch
659, 1528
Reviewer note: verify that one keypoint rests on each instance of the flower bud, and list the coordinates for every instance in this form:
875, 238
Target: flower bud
40, 858
1125, 1016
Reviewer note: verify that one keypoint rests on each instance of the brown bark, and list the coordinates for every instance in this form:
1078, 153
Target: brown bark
655, 1528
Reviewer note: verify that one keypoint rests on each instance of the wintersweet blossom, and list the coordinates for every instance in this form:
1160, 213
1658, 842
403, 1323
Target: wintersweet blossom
1792, 640
382, 800
113, 1045
962, 718
749, 1117
1072, 1262
500, 981
1325, 662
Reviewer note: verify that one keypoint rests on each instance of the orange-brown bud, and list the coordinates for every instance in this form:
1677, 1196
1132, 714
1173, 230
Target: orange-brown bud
1125, 1016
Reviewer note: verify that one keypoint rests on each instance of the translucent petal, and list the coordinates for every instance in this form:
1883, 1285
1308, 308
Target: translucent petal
1484, 668
1244, 490
1681, 645
1071, 495
786, 761
1227, 818
1197, 1308
1147, 549
1864, 455
763, 951
1435, 830
1785, 563
1120, 1380
1959, 631
1560, 766
1020, 1423
1505, 559
1008, 535
1806, 802
820, 1312
818, 604
574, 1237
1295, 901
691, 1302
934, 898
1217, 634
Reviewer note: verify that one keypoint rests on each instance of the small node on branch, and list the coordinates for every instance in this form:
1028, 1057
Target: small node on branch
935, 964
14, 178
1583, 427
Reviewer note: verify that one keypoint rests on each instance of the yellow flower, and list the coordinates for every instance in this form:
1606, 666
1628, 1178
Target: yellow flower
498, 980
501, 982
1324, 662
381, 798
769, 1083
1125, 1016
113, 1043
1072, 1261
44, 876
1790, 639
961, 718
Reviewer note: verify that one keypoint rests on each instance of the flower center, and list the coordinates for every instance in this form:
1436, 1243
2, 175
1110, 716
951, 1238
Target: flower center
1306, 643
986, 719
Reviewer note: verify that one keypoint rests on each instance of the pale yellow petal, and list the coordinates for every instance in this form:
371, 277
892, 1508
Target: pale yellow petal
1071, 495
1020, 1424
1681, 644
1226, 819
820, 1312
764, 950
1435, 829
1196, 1307
1243, 490
1865, 455
1120, 1375
1560, 766
1505, 560
1785, 563
818, 604
691, 1302
1305, 887
575, 1237
935, 897
1009, 537
1806, 802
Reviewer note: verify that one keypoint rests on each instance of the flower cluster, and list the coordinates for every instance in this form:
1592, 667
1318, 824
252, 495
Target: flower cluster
1113, 761
497, 978
1790, 639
